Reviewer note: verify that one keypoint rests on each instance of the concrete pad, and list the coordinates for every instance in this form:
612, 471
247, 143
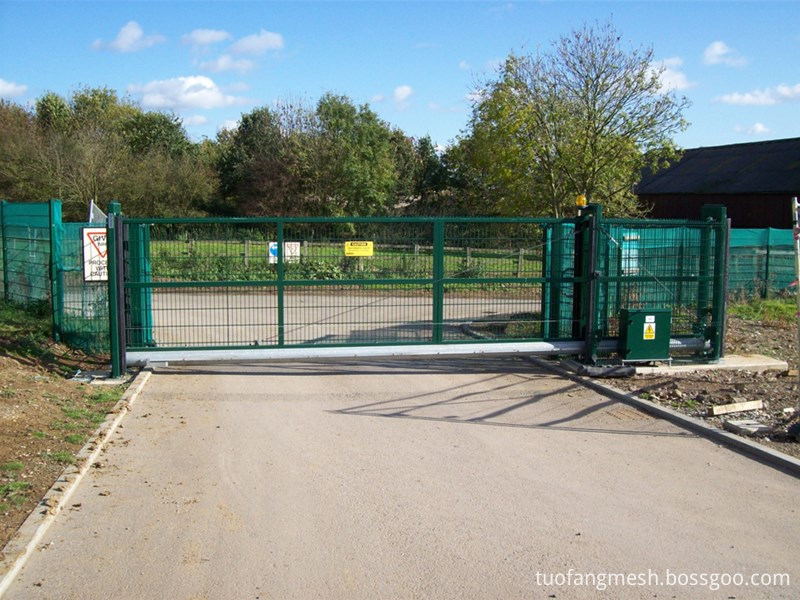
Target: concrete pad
744, 362
747, 427
407, 479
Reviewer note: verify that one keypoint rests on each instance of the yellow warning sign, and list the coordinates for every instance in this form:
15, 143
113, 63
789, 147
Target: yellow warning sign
649, 331
358, 249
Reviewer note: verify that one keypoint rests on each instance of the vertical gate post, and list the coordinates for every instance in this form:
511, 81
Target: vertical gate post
281, 287
56, 287
547, 284
588, 256
438, 280
116, 299
716, 217
3, 205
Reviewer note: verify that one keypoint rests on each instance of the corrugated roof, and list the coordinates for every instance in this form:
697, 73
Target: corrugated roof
760, 167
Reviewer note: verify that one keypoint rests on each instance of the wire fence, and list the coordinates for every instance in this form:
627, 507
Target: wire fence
42, 263
761, 263
242, 283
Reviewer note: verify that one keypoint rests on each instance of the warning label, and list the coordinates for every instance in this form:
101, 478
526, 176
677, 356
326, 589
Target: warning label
649, 331
95, 254
358, 248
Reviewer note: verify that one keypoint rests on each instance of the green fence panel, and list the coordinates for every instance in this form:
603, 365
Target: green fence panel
761, 262
26, 252
84, 320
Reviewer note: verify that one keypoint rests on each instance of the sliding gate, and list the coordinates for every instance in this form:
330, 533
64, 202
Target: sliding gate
209, 289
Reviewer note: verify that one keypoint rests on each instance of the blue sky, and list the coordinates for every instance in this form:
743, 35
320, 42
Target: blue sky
415, 63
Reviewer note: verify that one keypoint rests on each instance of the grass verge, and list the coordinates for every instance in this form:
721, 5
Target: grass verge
45, 418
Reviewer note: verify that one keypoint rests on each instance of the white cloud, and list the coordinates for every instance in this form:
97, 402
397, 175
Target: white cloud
195, 120
9, 89
402, 93
755, 129
378, 98
719, 53
239, 86
227, 63
766, 97
205, 37
258, 43
229, 124
131, 38
183, 93
463, 65
670, 74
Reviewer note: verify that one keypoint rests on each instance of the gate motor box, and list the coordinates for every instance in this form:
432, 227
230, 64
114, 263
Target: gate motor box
645, 333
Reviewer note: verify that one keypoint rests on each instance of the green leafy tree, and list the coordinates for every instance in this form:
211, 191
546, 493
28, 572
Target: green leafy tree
357, 173
584, 117
94, 146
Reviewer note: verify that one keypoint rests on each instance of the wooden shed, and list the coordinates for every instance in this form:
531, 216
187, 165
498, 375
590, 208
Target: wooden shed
755, 181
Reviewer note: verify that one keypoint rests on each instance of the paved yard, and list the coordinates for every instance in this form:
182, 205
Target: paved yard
407, 479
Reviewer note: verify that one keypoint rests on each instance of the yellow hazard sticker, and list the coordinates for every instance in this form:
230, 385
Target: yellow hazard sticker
358, 249
649, 331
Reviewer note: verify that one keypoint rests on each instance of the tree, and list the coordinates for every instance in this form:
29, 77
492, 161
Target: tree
584, 117
266, 165
357, 174
94, 146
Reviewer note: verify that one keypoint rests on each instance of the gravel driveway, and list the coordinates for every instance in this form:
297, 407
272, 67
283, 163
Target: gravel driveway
408, 479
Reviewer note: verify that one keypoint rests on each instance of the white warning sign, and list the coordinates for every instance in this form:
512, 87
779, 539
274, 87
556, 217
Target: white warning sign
95, 254
291, 252
649, 331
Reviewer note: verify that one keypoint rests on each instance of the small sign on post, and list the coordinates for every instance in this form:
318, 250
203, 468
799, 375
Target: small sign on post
95, 254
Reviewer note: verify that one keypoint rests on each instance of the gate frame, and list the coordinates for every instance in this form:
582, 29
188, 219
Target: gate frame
709, 322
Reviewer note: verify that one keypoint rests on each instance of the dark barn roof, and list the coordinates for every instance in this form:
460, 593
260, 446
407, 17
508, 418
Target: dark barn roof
757, 168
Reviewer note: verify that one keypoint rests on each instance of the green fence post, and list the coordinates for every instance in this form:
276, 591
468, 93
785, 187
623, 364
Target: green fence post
546, 284
281, 287
716, 216
56, 283
3, 204
589, 274
438, 280
117, 352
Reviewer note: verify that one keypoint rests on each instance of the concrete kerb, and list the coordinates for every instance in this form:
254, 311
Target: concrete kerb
776, 459
20, 547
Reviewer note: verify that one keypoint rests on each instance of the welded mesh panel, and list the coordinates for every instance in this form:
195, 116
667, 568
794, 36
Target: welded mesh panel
651, 266
84, 312
509, 280
508, 312
211, 316
202, 252
399, 250
344, 315
26, 252
493, 250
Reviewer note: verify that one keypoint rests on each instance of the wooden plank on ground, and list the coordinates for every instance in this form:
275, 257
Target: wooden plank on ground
724, 409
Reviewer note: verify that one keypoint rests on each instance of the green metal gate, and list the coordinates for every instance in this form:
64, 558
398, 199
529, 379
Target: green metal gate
202, 289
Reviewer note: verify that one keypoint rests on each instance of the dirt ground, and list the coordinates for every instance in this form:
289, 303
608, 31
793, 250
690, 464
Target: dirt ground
694, 393
45, 419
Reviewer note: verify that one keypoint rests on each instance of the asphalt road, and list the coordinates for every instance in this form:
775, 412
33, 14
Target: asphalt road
416, 479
